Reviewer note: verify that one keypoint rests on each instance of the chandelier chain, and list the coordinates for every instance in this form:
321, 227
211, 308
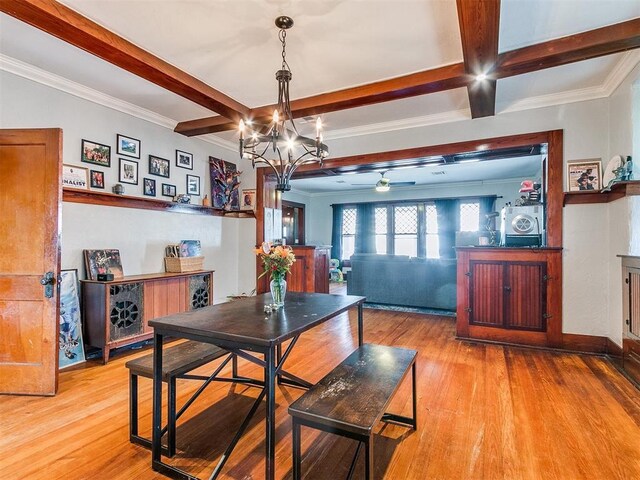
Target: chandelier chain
283, 40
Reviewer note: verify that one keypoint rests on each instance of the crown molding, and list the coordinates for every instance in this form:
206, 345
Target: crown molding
33, 73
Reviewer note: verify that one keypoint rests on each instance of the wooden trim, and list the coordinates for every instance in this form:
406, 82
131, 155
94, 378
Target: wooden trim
151, 276
479, 27
584, 343
70, 26
618, 190
124, 201
573, 48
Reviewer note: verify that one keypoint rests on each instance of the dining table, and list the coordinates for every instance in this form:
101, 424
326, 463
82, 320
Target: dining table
246, 328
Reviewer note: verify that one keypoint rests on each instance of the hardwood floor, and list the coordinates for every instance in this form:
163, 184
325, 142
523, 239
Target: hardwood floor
485, 412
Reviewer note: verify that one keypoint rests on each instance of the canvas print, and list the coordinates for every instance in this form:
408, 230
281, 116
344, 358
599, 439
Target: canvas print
184, 159
74, 177
71, 350
128, 171
96, 153
224, 184
103, 261
158, 166
584, 175
128, 146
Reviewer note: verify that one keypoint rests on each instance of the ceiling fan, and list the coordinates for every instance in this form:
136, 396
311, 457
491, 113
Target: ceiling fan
384, 184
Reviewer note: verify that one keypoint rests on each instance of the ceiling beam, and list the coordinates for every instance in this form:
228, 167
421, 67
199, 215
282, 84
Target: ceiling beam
420, 83
574, 48
71, 27
479, 28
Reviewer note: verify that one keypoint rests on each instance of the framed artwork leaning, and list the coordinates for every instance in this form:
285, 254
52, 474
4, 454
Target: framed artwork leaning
584, 175
71, 346
103, 261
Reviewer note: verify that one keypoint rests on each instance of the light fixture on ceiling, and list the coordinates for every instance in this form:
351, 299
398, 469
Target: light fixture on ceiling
281, 136
384, 184
481, 77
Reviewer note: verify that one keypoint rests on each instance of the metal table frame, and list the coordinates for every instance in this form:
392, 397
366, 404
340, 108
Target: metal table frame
272, 364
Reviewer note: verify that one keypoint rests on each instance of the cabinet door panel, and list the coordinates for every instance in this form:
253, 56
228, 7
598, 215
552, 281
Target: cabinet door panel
486, 292
524, 296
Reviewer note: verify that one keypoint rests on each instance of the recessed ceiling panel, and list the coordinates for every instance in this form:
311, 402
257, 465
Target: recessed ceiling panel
233, 45
527, 22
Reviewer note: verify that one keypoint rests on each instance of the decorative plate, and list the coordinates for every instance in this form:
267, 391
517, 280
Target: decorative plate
609, 175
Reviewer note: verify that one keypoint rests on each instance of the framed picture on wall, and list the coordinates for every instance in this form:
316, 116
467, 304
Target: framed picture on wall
277, 224
74, 177
268, 224
184, 160
248, 199
193, 185
159, 166
128, 146
584, 175
149, 187
96, 153
97, 179
128, 171
168, 190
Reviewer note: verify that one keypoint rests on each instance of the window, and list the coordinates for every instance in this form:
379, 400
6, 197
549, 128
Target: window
432, 241
348, 232
405, 238
469, 217
381, 230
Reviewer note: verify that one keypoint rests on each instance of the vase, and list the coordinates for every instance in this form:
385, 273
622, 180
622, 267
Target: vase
278, 288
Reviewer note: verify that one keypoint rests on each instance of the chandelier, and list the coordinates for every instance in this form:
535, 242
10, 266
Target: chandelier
280, 139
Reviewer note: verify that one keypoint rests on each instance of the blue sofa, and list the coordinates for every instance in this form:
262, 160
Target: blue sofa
401, 280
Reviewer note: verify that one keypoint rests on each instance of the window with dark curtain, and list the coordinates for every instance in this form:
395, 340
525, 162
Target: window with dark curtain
336, 232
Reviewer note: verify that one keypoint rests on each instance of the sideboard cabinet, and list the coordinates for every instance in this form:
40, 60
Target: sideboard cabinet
117, 313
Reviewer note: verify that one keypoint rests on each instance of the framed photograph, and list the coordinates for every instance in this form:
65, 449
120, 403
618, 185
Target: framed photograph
71, 346
96, 153
149, 187
584, 175
74, 177
159, 166
184, 159
248, 199
103, 261
97, 179
128, 171
168, 190
193, 185
128, 146
268, 224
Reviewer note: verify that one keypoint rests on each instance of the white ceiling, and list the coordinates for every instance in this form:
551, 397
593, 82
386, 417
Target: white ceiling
506, 168
334, 44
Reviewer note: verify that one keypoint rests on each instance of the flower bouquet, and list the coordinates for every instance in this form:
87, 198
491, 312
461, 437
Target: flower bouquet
277, 261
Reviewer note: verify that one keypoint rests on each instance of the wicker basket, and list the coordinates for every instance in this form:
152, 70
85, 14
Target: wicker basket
183, 264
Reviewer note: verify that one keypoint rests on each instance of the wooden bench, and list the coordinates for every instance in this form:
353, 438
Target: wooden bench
353, 398
178, 360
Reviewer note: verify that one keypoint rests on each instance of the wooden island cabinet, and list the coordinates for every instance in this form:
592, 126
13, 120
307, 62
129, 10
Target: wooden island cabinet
510, 295
117, 313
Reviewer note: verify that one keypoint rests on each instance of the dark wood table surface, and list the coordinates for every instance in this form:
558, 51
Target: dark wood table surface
240, 326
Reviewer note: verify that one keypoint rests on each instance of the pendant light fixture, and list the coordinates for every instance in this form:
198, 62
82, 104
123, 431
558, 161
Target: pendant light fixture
279, 145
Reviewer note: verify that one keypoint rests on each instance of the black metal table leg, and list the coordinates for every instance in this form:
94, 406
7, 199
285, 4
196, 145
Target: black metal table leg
156, 434
270, 443
171, 416
415, 398
360, 326
368, 458
297, 461
133, 406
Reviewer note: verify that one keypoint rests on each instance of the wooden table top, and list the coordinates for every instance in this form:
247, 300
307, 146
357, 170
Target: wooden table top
244, 322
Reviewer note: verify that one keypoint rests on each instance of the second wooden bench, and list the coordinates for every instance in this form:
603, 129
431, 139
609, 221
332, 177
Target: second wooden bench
353, 398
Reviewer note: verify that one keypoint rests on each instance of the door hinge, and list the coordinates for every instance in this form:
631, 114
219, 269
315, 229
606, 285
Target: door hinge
546, 315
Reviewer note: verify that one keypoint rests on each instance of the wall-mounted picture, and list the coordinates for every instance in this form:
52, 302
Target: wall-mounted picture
149, 187
158, 166
96, 153
584, 175
128, 171
97, 179
128, 146
268, 224
74, 177
248, 199
184, 159
103, 261
193, 185
71, 350
225, 181
168, 190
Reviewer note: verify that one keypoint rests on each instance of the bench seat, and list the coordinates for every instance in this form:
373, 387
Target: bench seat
353, 398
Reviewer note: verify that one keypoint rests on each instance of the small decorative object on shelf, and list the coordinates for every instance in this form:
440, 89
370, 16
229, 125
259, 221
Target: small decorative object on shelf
182, 198
206, 202
118, 189
277, 261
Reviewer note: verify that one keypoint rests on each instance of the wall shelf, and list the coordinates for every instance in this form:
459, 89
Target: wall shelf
125, 201
619, 190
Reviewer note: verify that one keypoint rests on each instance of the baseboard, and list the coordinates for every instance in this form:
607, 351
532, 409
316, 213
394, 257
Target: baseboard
585, 343
614, 352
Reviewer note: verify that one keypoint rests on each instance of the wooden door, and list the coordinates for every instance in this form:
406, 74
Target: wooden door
486, 290
30, 195
525, 294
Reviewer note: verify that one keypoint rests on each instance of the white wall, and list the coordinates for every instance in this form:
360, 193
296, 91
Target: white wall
139, 234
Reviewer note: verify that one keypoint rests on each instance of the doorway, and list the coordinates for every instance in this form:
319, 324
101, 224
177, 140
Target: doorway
293, 222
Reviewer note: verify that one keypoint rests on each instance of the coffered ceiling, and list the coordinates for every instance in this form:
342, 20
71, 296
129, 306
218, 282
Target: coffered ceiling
223, 55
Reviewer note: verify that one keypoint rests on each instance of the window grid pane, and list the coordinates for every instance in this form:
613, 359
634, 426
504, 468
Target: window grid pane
349, 221
433, 245
469, 217
432, 219
381, 220
381, 244
406, 220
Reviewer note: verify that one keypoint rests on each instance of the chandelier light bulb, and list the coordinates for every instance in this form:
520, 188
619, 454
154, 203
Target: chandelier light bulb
318, 126
276, 116
241, 128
